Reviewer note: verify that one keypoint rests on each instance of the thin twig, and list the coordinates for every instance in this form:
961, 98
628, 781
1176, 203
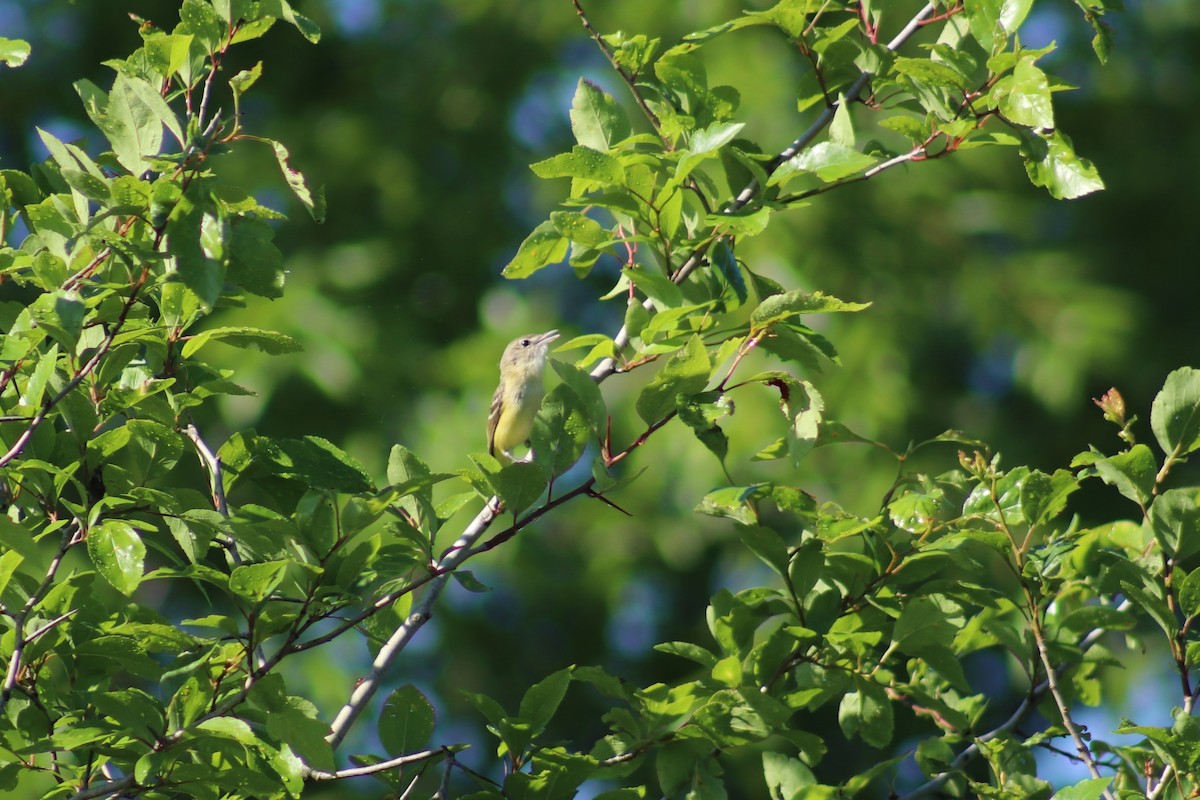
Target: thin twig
371, 769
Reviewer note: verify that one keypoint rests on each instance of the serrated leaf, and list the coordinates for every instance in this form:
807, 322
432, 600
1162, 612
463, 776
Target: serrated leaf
794, 303
270, 342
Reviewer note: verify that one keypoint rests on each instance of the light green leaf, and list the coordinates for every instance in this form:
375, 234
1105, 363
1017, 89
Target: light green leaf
1024, 96
597, 120
658, 287
779, 307
1051, 162
1175, 414
545, 245
828, 160
13, 52
582, 162
118, 553
255, 582
1089, 789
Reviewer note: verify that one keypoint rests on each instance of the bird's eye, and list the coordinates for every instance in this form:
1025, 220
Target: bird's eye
525, 343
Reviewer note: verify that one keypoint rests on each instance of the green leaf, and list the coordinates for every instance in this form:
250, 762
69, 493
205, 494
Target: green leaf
1132, 472
133, 128
1175, 520
316, 462
267, 341
543, 698
779, 307
579, 228
786, 777
118, 553
658, 287
518, 484
255, 582
1044, 497
582, 162
867, 713
586, 390
13, 52
597, 120
255, 263
1089, 789
704, 144
734, 502
406, 721
829, 161
561, 430
1024, 96
466, 579
767, 544
700, 412
924, 622
932, 73
313, 200
808, 408
1175, 414
60, 313
1189, 595
686, 372
544, 246
1051, 162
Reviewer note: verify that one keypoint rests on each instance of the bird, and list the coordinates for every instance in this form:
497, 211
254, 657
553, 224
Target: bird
519, 395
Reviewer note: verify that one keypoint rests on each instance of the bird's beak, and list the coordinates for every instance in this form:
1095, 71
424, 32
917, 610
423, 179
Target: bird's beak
547, 337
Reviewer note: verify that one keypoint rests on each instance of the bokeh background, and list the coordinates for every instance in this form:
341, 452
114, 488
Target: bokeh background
996, 310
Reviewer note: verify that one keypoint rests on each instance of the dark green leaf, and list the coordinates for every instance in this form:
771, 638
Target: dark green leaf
406, 721
1132, 472
543, 698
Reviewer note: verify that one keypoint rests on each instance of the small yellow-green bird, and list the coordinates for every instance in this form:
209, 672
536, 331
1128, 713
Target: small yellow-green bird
519, 395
